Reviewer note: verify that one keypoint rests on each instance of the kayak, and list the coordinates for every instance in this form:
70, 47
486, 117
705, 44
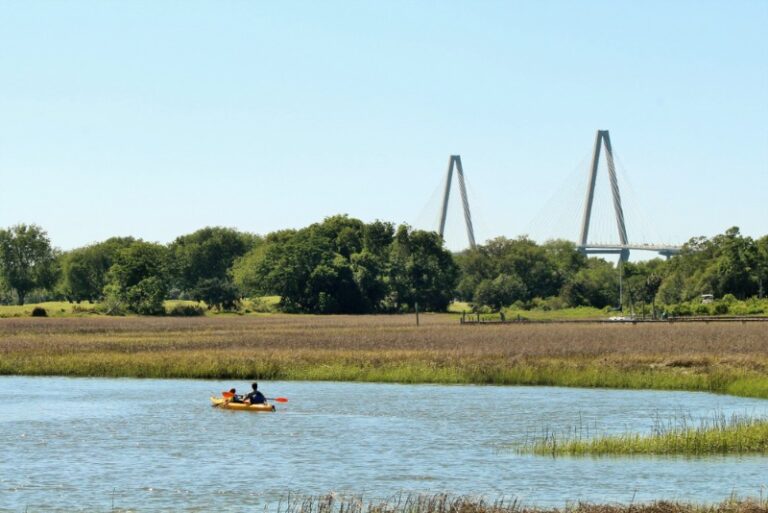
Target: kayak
219, 402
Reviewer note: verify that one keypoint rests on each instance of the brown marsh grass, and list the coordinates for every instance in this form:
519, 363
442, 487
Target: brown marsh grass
411, 503
731, 358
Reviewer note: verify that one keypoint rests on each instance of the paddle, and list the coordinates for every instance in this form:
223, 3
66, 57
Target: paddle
230, 395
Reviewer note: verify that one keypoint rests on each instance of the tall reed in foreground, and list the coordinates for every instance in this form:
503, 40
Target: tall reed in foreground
412, 503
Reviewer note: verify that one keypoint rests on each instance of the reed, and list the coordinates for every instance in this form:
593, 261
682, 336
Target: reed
441, 503
718, 435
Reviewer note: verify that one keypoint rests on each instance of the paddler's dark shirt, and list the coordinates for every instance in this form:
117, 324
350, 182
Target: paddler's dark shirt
256, 398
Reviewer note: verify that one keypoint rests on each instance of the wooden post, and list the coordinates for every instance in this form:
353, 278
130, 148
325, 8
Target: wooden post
417, 313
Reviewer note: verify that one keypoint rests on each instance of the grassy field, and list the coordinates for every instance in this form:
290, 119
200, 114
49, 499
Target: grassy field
726, 358
53, 309
259, 305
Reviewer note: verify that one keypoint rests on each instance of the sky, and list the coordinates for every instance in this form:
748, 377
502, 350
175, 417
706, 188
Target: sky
157, 118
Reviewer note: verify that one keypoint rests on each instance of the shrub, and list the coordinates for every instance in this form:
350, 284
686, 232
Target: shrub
721, 308
76, 308
258, 304
520, 305
111, 304
702, 310
187, 310
39, 311
147, 296
221, 293
680, 310
553, 303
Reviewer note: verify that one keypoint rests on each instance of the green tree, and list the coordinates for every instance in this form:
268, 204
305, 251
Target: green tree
200, 263
542, 269
735, 264
138, 279
421, 271
651, 289
475, 267
27, 260
596, 285
84, 270
246, 270
728, 263
761, 265
306, 270
502, 291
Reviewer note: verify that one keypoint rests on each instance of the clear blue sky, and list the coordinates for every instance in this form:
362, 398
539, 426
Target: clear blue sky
156, 118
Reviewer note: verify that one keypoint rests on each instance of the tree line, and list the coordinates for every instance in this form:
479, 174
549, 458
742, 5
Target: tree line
343, 265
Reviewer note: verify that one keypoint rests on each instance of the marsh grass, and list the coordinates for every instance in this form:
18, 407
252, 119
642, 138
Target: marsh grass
441, 503
677, 436
724, 358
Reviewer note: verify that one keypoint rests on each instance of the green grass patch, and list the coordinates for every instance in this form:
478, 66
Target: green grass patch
215, 364
52, 308
720, 435
459, 307
535, 314
575, 313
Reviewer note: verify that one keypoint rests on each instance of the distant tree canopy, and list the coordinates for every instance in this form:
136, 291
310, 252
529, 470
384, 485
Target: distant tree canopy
725, 264
504, 271
343, 265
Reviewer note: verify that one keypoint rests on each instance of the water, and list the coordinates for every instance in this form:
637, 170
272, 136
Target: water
157, 445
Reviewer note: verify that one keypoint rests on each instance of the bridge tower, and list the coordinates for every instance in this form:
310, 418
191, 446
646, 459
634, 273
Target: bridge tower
455, 161
603, 138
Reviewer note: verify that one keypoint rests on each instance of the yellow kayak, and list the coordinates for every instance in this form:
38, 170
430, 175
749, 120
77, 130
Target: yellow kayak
219, 402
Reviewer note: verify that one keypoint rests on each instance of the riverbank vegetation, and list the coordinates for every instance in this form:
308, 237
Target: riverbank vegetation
724, 358
719, 435
343, 265
441, 503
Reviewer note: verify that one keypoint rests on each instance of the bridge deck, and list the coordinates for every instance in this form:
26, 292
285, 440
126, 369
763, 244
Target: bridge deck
617, 248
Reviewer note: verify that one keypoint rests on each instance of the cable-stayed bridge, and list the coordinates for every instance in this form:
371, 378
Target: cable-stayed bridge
621, 248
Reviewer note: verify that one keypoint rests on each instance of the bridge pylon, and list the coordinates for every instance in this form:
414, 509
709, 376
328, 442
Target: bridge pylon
455, 161
604, 139
621, 249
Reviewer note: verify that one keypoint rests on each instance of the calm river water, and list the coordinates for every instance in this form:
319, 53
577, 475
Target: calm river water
157, 445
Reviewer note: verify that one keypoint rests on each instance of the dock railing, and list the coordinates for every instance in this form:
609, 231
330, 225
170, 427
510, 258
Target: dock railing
477, 318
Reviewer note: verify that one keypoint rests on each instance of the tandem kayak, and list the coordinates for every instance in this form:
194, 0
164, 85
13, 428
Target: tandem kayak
218, 402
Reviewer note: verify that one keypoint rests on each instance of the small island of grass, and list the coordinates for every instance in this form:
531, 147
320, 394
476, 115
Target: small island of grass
737, 435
